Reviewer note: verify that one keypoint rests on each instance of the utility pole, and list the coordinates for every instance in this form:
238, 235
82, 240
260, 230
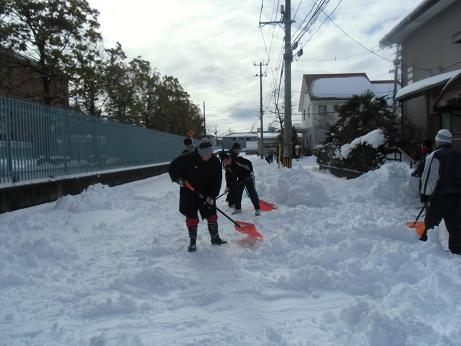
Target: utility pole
288, 58
396, 74
260, 75
204, 117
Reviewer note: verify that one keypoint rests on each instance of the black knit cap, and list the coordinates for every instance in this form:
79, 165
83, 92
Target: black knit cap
236, 146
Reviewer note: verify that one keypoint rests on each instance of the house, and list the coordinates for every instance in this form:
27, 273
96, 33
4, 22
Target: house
18, 80
428, 42
238, 137
272, 141
321, 93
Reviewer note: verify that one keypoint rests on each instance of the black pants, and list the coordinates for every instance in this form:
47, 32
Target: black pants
190, 204
250, 186
446, 207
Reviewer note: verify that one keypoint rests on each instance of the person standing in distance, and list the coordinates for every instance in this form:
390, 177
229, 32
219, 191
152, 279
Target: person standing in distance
189, 147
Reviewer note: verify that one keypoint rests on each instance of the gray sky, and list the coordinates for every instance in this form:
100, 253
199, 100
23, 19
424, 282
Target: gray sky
211, 45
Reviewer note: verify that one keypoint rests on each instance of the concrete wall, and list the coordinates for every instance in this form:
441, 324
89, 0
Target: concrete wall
22, 196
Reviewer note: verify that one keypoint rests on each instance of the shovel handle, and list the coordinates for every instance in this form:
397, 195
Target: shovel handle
190, 187
420, 212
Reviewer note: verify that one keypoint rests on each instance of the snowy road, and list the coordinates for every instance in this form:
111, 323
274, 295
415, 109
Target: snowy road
337, 267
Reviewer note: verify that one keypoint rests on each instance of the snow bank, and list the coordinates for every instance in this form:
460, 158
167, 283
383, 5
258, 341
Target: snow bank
375, 138
337, 266
392, 183
294, 187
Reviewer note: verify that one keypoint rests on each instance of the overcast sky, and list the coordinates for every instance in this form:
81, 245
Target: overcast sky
211, 45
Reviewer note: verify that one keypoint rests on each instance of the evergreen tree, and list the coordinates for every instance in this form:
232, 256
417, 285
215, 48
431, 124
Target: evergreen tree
362, 114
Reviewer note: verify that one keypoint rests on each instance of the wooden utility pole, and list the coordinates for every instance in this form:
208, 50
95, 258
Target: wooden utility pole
288, 58
261, 130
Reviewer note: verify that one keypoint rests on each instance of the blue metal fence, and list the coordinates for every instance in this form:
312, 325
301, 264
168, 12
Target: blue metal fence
39, 142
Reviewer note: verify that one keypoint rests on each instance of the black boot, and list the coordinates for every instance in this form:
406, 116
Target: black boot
214, 235
193, 237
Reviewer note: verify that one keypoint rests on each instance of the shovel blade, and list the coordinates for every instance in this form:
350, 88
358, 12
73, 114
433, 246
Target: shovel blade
266, 206
248, 228
418, 227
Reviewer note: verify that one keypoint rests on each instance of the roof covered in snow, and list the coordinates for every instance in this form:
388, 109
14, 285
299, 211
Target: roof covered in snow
423, 85
343, 86
336, 86
240, 134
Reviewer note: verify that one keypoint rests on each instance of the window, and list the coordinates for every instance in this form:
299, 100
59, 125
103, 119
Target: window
248, 138
445, 121
322, 110
410, 75
234, 139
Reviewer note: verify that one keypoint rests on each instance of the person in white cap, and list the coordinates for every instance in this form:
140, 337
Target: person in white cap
441, 190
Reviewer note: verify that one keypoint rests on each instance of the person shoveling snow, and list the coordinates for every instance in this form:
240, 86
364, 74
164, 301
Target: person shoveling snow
441, 190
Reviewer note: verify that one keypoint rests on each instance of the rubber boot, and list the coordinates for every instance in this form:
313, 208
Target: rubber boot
193, 238
214, 234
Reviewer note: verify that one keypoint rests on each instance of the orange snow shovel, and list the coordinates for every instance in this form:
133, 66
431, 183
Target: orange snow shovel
240, 226
266, 206
418, 226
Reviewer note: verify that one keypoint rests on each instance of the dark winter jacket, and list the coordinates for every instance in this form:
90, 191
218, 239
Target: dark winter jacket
439, 172
418, 172
240, 167
204, 176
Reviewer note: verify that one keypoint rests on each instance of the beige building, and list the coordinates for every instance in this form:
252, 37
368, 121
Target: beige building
429, 44
321, 93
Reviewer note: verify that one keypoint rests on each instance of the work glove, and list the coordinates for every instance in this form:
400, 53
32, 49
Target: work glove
180, 182
425, 198
209, 200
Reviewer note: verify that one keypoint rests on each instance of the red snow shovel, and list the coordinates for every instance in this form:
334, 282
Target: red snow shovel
263, 205
240, 226
418, 226
266, 206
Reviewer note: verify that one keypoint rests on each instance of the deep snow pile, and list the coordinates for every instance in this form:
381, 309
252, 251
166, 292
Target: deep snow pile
337, 266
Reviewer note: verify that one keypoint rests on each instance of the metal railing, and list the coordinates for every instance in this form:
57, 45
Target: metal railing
39, 142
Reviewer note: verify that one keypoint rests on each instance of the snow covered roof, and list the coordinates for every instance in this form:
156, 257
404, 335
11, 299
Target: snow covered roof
384, 87
240, 134
425, 11
336, 86
343, 86
421, 86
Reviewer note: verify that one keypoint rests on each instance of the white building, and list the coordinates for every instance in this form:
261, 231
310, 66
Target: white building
321, 93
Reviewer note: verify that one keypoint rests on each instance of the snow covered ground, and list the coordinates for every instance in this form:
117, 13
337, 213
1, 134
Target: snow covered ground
337, 266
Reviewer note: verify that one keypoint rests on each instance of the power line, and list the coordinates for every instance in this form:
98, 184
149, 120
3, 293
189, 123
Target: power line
320, 26
261, 11
303, 21
297, 9
355, 40
336, 58
320, 8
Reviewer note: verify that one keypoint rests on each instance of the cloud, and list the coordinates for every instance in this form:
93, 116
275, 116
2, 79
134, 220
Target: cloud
210, 46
